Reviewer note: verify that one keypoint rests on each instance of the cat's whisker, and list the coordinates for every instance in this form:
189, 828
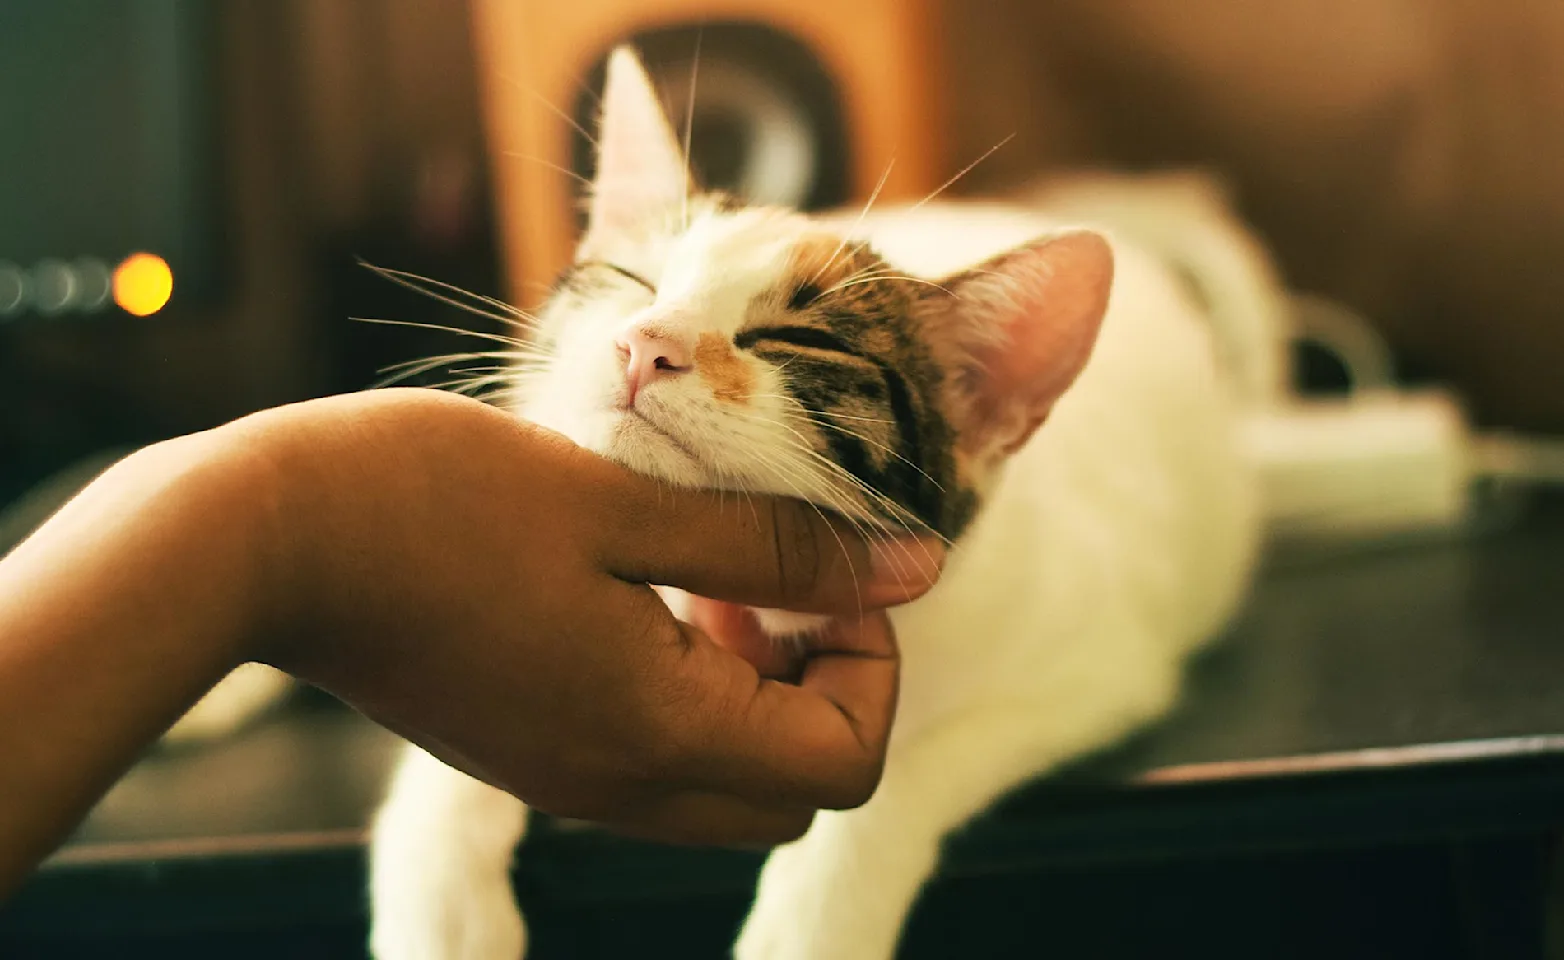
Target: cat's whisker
407, 277
828, 413
503, 397
779, 471
786, 363
862, 215
845, 416
790, 480
508, 315
835, 501
459, 331
961, 173
800, 443
472, 378
689, 122
870, 272
500, 319
841, 505
895, 511
415, 369
532, 92
473, 389
583, 181
881, 279
879, 273
810, 417
412, 368
430, 362
876, 269
464, 385
875, 443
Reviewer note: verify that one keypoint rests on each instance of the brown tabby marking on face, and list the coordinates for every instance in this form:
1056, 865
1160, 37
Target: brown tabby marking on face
722, 368
850, 334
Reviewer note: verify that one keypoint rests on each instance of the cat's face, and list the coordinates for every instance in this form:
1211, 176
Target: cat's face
760, 350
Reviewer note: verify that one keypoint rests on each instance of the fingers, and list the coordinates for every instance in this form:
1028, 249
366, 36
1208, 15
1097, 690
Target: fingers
735, 629
761, 552
820, 744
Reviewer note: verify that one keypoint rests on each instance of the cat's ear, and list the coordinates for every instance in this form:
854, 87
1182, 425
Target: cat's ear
1018, 329
642, 178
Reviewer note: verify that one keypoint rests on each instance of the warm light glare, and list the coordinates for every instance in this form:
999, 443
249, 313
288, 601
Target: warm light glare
142, 284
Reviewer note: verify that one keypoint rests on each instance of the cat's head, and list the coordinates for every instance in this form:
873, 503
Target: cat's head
758, 349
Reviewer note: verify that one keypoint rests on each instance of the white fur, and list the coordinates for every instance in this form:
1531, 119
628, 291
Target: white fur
1119, 538
1184, 217
440, 871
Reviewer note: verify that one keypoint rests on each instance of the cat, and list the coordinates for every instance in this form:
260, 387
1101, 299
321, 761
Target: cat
1054, 403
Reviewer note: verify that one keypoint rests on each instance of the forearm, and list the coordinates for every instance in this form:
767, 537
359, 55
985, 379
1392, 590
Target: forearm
114, 618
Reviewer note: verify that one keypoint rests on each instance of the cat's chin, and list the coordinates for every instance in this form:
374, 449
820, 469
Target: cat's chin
779, 624
636, 442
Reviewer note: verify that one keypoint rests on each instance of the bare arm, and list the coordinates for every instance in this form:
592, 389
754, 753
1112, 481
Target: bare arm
472, 582
114, 618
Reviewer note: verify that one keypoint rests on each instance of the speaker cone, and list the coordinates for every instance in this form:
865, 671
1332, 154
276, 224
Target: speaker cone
764, 123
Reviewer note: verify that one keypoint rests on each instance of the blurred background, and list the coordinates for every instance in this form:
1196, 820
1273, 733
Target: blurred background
189, 190
1404, 158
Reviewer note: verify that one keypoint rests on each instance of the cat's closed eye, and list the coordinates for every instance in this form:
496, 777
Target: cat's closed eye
627, 274
810, 337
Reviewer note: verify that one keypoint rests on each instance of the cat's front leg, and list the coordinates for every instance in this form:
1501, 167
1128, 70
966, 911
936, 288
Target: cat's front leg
440, 858
843, 891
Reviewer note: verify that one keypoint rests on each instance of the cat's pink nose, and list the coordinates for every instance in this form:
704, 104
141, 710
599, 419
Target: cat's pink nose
650, 356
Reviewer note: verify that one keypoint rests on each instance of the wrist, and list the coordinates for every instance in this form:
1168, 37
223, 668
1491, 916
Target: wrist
245, 477
224, 508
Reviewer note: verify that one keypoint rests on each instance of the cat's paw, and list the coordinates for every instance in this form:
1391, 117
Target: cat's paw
469, 922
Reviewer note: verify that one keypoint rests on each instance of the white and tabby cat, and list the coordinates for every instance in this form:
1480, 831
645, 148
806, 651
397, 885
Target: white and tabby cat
1050, 403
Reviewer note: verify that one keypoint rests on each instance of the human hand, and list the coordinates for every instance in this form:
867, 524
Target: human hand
478, 584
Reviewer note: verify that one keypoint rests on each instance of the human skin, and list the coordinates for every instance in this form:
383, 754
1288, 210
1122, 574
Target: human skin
469, 580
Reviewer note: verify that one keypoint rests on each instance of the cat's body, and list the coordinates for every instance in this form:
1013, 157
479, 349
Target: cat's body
1115, 540
1119, 539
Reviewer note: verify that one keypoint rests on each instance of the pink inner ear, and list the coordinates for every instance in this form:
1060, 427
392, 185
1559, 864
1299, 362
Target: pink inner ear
1034, 313
641, 175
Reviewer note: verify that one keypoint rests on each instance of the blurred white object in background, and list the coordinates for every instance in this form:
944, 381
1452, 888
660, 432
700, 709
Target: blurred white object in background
1367, 465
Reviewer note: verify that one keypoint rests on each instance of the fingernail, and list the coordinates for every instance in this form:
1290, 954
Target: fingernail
906, 566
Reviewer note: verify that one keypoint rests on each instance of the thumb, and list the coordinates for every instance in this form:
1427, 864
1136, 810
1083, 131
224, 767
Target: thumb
763, 551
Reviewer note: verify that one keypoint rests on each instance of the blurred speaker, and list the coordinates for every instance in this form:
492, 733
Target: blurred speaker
796, 102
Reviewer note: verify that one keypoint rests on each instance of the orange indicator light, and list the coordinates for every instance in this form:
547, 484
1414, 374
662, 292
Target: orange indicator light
142, 284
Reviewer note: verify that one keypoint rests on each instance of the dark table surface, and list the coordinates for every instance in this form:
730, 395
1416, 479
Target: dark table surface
1393, 695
